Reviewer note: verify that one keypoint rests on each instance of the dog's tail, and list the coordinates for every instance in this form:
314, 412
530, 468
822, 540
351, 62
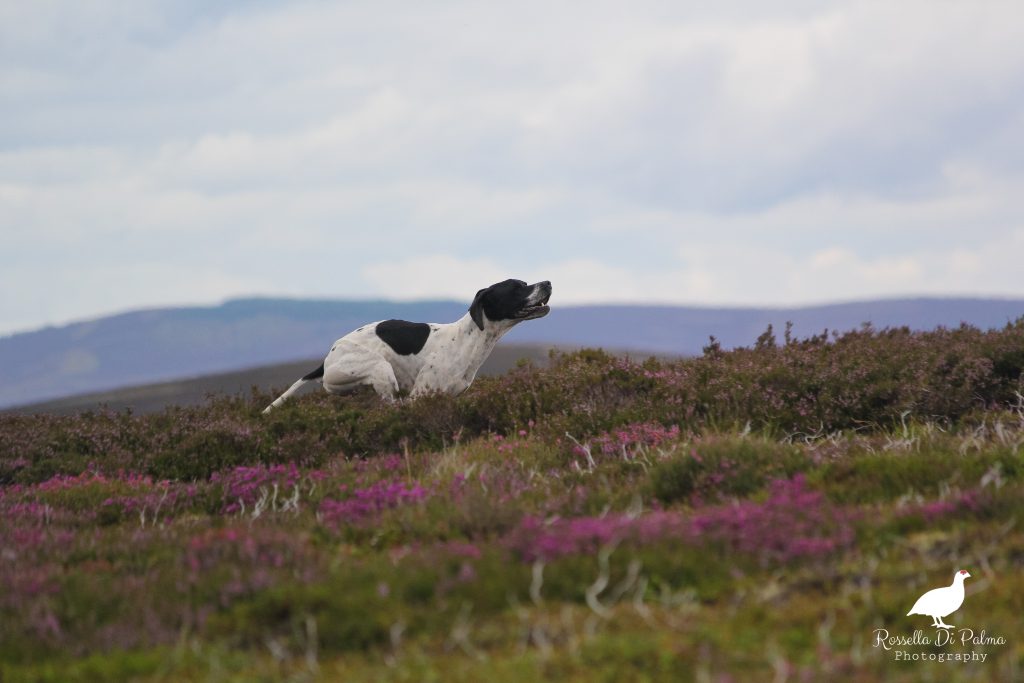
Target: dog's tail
316, 374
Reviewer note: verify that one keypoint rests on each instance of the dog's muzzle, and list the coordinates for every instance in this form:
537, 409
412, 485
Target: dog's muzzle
537, 308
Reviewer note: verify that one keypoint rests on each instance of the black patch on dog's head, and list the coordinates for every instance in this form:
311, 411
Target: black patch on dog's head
404, 338
507, 300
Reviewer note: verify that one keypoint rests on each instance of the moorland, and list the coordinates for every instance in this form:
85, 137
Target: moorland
748, 514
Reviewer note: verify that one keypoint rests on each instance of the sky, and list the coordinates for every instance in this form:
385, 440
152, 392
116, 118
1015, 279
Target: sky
173, 152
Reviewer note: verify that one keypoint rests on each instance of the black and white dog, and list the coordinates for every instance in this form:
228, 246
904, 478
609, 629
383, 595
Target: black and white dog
395, 355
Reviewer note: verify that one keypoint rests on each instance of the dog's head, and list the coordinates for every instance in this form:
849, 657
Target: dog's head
510, 302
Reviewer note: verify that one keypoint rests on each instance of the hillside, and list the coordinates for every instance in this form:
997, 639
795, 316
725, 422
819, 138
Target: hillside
764, 513
150, 398
147, 347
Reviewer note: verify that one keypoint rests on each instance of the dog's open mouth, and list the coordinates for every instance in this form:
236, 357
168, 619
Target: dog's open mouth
537, 310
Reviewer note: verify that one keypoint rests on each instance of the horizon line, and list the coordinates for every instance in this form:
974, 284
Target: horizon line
578, 304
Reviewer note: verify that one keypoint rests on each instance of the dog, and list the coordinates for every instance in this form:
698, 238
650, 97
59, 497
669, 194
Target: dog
393, 356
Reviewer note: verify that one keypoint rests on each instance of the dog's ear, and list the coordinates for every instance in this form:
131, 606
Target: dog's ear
476, 309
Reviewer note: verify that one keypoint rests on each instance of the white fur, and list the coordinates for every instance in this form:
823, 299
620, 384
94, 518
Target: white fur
448, 361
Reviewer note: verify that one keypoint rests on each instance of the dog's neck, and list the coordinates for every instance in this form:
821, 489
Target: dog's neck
477, 344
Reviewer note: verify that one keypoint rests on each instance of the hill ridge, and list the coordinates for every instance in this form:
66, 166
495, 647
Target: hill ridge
161, 344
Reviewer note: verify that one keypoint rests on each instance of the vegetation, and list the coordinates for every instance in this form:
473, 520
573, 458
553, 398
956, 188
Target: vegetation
744, 515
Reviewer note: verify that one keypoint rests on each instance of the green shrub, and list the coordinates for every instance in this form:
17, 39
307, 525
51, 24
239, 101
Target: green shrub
724, 466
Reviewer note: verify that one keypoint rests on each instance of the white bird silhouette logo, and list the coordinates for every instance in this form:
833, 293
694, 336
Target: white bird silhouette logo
941, 602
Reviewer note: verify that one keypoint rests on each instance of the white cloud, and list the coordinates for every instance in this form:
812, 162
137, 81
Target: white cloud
432, 276
84, 291
667, 152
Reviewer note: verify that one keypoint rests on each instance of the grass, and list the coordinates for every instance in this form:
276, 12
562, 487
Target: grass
749, 515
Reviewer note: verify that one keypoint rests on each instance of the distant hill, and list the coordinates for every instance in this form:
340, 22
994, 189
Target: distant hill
153, 346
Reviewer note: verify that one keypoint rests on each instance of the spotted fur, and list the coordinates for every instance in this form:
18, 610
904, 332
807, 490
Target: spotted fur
396, 356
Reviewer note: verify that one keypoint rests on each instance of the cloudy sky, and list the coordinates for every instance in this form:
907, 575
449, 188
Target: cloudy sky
156, 153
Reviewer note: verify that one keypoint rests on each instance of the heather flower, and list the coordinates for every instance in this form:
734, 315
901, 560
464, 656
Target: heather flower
627, 441
794, 522
238, 561
161, 502
460, 549
535, 539
364, 503
62, 482
243, 486
937, 509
